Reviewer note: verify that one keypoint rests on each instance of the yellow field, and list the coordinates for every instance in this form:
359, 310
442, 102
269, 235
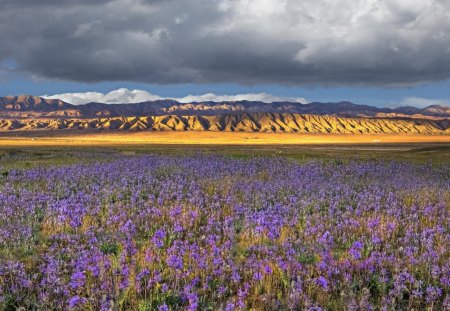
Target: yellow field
203, 138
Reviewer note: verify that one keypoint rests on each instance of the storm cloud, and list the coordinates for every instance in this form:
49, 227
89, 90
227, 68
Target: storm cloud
291, 42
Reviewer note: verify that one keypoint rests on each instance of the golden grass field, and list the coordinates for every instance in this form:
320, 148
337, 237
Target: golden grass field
62, 138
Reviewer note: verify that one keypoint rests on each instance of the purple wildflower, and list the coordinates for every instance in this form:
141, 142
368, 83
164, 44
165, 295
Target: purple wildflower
77, 280
76, 301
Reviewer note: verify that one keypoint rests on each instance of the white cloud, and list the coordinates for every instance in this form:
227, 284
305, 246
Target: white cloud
124, 95
420, 102
263, 97
121, 95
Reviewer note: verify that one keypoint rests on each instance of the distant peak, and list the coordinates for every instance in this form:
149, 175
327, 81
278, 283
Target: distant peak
438, 106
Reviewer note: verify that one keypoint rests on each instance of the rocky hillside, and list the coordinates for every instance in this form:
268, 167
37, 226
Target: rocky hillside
246, 122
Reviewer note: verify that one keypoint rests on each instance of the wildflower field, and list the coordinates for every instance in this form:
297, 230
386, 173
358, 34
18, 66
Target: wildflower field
210, 232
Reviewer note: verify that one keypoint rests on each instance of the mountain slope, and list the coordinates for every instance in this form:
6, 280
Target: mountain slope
244, 122
32, 103
436, 110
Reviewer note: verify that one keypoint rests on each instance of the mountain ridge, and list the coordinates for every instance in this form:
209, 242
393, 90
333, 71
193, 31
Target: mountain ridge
33, 113
27, 106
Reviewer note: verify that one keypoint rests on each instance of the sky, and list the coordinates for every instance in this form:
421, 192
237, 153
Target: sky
376, 52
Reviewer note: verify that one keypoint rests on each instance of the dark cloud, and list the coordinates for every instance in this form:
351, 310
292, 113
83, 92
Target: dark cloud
379, 42
35, 3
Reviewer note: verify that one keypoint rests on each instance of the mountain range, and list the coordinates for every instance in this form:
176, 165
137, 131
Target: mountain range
32, 113
33, 106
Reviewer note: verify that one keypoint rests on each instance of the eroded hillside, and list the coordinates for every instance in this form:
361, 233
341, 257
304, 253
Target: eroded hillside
244, 122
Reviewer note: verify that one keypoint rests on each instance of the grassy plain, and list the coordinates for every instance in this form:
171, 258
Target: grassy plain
31, 149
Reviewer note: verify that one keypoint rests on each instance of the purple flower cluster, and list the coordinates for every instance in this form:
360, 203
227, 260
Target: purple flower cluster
215, 233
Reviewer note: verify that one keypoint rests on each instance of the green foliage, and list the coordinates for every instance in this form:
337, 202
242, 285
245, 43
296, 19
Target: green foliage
307, 259
9, 303
109, 248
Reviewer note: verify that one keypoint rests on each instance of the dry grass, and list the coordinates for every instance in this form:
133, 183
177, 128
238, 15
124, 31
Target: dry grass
67, 138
